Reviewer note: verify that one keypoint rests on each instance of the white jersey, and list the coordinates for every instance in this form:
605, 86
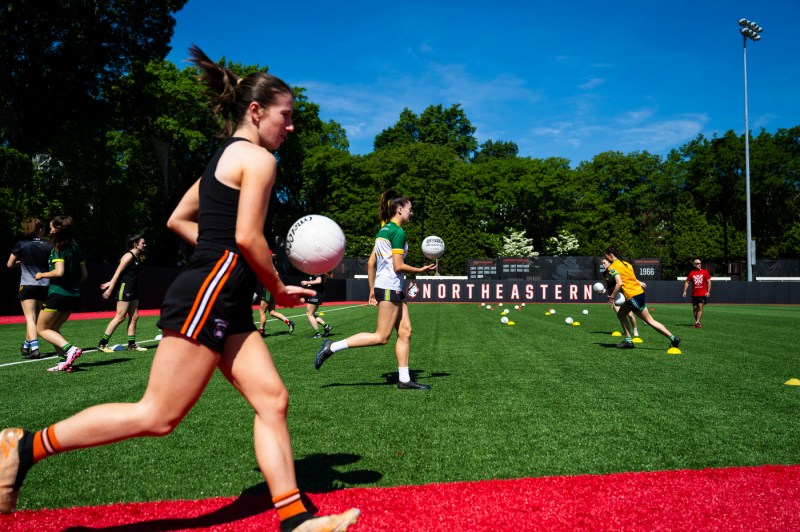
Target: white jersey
391, 240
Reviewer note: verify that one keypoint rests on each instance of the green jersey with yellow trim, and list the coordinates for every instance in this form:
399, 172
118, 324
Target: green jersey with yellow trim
69, 284
391, 240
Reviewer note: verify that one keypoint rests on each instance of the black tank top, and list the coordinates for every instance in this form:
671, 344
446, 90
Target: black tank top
131, 274
219, 205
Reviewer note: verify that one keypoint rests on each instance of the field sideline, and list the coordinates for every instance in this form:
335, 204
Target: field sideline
540, 425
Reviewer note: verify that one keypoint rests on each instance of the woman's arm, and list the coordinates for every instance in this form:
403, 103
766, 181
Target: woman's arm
401, 267
183, 220
258, 169
13, 262
312, 282
372, 268
57, 271
108, 287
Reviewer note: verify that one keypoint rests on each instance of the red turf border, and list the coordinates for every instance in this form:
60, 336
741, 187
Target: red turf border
740, 498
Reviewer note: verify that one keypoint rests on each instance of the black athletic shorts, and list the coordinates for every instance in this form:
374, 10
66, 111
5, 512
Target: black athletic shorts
211, 299
699, 300
30, 291
316, 299
127, 293
61, 303
385, 294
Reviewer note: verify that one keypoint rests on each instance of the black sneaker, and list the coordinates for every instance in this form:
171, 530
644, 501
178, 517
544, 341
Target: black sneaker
675, 341
327, 329
316, 335
33, 354
412, 385
626, 345
323, 354
262, 332
291, 326
24, 351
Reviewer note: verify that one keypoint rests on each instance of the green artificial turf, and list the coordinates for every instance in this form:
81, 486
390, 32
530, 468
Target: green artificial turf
536, 398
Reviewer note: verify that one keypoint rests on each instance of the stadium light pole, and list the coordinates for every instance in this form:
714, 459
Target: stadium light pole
749, 30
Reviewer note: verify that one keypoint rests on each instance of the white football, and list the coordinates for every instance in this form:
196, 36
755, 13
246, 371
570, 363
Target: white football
619, 300
433, 247
599, 288
568, 321
315, 244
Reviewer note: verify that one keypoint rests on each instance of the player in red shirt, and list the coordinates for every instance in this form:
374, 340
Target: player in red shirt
701, 289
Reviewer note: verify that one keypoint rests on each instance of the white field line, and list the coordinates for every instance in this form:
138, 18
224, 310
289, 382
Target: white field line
326, 310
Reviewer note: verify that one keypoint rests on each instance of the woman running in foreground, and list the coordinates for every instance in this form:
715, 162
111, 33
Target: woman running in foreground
207, 316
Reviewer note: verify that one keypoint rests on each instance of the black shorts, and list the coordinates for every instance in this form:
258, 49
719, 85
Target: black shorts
385, 294
126, 293
637, 302
211, 299
61, 303
30, 291
316, 299
699, 300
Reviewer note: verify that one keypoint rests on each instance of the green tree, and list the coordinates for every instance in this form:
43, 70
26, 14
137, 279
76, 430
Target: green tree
496, 150
448, 127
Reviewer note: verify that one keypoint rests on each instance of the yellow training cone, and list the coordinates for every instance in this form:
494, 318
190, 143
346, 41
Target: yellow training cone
637, 340
673, 351
320, 313
574, 323
616, 333
793, 382
547, 313
511, 323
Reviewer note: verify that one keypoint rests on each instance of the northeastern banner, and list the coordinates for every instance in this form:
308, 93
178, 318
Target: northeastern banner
475, 290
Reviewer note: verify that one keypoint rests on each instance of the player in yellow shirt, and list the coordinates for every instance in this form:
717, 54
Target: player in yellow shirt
631, 288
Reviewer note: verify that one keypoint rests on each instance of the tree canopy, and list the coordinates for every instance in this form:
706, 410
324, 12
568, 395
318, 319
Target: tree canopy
128, 133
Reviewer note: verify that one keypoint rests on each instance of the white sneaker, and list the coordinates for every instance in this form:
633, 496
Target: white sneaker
330, 523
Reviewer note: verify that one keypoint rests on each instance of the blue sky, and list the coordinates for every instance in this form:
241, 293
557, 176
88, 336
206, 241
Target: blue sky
560, 79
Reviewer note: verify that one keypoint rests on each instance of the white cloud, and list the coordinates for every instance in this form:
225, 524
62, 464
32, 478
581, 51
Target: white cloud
592, 83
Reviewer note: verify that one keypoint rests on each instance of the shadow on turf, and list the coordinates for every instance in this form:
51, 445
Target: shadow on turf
107, 362
390, 379
315, 473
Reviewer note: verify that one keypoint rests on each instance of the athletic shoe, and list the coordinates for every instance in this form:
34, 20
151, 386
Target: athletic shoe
412, 385
72, 356
24, 351
61, 366
104, 348
323, 354
676, 342
626, 345
262, 332
135, 347
9, 466
698, 325
316, 335
291, 326
330, 523
327, 329
34, 355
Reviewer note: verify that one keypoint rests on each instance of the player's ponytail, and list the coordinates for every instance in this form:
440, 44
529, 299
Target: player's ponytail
390, 201
62, 233
132, 241
230, 95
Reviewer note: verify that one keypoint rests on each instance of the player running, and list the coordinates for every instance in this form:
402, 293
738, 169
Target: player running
385, 269
207, 314
625, 281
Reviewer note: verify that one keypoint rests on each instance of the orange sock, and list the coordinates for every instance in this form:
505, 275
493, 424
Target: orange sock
289, 504
45, 444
